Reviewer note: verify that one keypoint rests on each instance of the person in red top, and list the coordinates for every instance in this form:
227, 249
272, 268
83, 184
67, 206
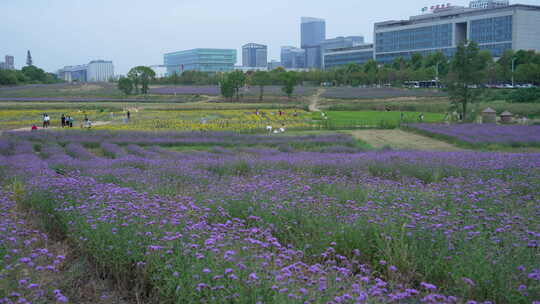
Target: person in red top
34, 127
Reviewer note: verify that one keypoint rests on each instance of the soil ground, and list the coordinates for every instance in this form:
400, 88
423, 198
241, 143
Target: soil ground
401, 140
314, 100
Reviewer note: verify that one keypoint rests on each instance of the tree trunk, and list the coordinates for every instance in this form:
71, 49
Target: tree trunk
261, 92
464, 103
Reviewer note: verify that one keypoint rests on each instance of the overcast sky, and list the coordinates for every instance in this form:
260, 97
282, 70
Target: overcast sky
139, 32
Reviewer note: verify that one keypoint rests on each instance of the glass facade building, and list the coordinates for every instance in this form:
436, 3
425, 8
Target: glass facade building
292, 57
203, 60
312, 35
254, 55
338, 57
497, 29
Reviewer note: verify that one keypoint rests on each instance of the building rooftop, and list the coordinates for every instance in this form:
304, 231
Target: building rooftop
312, 19
366, 47
254, 45
450, 13
199, 50
100, 61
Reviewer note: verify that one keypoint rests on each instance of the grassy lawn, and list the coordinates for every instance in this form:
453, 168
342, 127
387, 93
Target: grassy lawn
374, 117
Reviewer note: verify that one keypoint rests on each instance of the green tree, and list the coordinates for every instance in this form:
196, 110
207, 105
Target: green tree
528, 73
141, 75
261, 79
438, 62
289, 81
505, 66
175, 79
125, 85
34, 73
467, 70
226, 87
8, 77
238, 80
416, 61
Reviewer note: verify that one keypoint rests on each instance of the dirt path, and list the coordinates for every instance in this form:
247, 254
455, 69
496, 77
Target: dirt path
401, 140
314, 100
94, 124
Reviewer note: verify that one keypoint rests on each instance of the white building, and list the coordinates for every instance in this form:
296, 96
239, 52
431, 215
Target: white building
100, 71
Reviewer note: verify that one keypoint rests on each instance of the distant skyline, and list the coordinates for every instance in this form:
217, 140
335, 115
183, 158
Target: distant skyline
139, 32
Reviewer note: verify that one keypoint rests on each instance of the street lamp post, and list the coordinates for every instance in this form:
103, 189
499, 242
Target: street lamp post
513, 69
437, 71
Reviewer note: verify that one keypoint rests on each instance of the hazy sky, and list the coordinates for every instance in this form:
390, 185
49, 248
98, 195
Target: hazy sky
139, 32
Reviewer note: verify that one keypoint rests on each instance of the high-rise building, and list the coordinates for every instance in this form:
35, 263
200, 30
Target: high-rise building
203, 60
10, 62
313, 33
100, 71
512, 27
293, 57
488, 3
254, 55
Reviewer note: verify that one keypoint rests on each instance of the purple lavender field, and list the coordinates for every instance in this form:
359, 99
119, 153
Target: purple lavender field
214, 90
485, 133
378, 93
271, 219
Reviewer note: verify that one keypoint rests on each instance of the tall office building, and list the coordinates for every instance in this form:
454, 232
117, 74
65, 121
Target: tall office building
203, 60
313, 33
254, 55
511, 27
10, 62
293, 57
100, 71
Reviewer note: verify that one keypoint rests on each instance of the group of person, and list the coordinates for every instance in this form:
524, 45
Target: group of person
67, 121
271, 129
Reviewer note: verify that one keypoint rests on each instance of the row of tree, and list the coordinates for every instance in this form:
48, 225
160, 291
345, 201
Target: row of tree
525, 69
231, 83
468, 69
27, 75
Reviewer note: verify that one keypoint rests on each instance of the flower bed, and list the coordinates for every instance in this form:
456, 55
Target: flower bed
484, 133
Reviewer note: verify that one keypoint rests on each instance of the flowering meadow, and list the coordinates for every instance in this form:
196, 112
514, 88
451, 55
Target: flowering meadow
270, 219
484, 133
163, 119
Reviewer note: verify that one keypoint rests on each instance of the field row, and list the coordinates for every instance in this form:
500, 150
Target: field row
260, 218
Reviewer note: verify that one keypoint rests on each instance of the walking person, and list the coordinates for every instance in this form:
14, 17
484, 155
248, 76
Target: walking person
128, 115
63, 120
46, 120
